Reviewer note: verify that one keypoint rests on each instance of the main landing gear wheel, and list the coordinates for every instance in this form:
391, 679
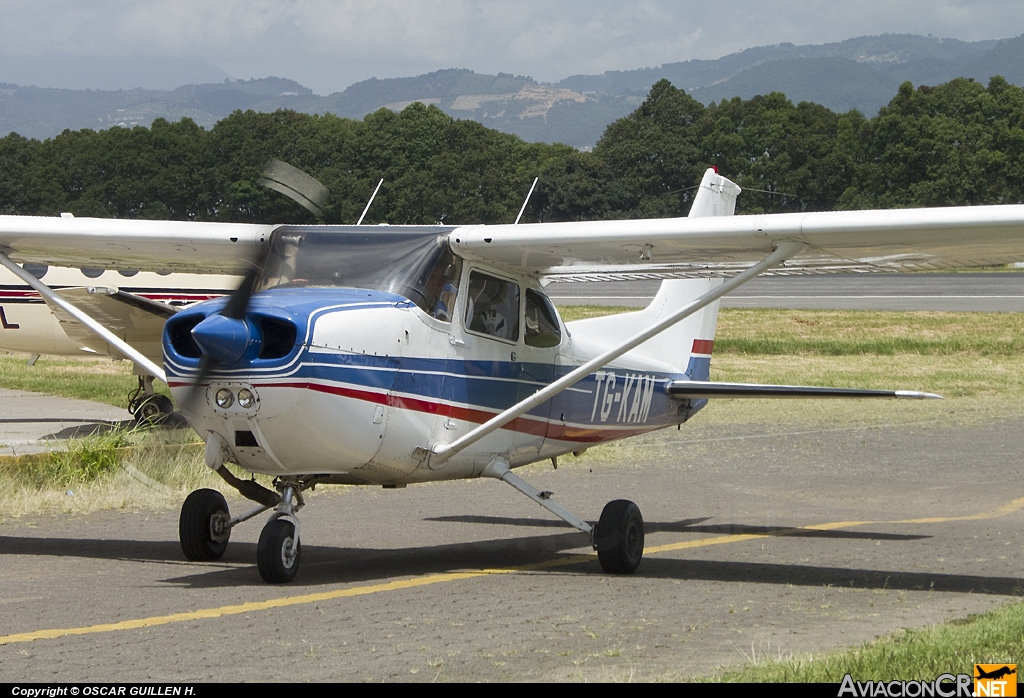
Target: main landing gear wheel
202, 526
619, 537
153, 409
274, 557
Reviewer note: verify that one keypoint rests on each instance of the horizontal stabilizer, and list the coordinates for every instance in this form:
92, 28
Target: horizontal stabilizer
708, 389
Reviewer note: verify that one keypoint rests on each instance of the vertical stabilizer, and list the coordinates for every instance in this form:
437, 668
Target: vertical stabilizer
688, 345
716, 196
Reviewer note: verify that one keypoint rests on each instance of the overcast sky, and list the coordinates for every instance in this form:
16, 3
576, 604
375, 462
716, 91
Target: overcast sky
329, 44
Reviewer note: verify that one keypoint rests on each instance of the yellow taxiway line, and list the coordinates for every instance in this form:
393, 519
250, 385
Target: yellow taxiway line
431, 579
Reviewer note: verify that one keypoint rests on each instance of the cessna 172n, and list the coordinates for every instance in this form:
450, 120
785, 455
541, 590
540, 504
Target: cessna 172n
391, 355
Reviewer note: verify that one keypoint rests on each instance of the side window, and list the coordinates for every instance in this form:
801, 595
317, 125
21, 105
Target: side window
492, 307
541, 321
442, 287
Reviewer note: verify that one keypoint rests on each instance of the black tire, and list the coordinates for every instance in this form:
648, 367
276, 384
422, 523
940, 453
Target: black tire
153, 409
194, 525
273, 553
619, 537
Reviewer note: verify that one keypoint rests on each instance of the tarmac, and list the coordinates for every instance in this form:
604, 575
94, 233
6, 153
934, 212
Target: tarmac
32, 423
763, 540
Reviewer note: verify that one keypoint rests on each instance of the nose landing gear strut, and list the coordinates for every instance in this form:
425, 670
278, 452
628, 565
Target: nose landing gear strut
205, 524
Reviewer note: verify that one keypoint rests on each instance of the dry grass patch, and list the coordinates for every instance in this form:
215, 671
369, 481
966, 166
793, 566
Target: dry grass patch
117, 470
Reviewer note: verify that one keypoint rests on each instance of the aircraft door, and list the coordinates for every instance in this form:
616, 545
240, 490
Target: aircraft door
483, 377
540, 357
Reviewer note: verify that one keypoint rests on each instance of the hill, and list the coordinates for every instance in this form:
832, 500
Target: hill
861, 73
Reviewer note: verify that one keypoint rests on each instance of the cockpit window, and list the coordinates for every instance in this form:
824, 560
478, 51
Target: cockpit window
542, 328
442, 287
492, 307
413, 262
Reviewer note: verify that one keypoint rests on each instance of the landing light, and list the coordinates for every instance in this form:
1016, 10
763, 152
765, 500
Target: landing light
224, 398
245, 398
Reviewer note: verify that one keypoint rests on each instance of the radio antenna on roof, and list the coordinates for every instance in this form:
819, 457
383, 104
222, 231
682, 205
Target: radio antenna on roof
360, 221
527, 200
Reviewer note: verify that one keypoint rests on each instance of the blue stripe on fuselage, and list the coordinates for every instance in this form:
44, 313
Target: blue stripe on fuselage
699, 368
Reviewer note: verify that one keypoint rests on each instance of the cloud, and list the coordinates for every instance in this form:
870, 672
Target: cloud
330, 44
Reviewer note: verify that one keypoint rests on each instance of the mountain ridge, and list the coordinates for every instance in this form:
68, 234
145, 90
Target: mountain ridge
860, 73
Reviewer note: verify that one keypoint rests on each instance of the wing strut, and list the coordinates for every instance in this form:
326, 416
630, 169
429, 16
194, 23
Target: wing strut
441, 452
52, 297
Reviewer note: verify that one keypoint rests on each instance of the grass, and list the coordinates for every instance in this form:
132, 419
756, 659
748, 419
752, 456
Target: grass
86, 378
749, 342
995, 637
975, 360
771, 332
149, 468
776, 332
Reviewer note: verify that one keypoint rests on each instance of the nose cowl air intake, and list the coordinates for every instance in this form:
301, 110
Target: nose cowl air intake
222, 338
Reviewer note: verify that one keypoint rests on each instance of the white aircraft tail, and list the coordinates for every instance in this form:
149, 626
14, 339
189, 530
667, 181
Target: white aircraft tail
685, 347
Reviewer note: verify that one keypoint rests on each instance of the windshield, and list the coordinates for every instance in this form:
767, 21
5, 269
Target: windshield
414, 262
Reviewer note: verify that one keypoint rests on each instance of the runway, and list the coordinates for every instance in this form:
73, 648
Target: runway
987, 292
762, 540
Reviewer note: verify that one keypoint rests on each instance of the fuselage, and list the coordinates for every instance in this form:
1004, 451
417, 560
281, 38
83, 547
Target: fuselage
367, 380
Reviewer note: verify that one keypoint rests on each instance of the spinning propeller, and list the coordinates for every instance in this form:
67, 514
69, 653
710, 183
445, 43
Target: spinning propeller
224, 337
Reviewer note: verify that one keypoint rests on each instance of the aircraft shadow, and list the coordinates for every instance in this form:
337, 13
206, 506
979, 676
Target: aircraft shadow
328, 565
92, 427
89, 429
691, 526
170, 421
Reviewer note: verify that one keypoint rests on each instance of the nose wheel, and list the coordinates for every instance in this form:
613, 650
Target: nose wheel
278, 552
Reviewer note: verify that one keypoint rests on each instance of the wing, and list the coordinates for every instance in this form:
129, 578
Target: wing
895, 240
162, 246
136, 320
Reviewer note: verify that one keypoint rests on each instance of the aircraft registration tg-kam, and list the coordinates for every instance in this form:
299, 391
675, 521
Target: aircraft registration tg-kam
392, 355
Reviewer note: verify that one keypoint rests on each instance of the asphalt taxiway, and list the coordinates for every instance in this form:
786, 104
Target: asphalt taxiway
762, 540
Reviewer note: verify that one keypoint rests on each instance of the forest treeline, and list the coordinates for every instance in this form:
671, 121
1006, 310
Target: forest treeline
959, 143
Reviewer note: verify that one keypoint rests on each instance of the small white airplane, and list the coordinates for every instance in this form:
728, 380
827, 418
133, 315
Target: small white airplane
132, 304
392, 355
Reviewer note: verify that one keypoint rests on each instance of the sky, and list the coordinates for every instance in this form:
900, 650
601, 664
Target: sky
329, 44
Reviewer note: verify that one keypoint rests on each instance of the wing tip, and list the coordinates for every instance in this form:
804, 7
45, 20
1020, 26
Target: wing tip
917, 395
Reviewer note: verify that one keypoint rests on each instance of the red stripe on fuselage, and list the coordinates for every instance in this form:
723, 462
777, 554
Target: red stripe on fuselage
534, 427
